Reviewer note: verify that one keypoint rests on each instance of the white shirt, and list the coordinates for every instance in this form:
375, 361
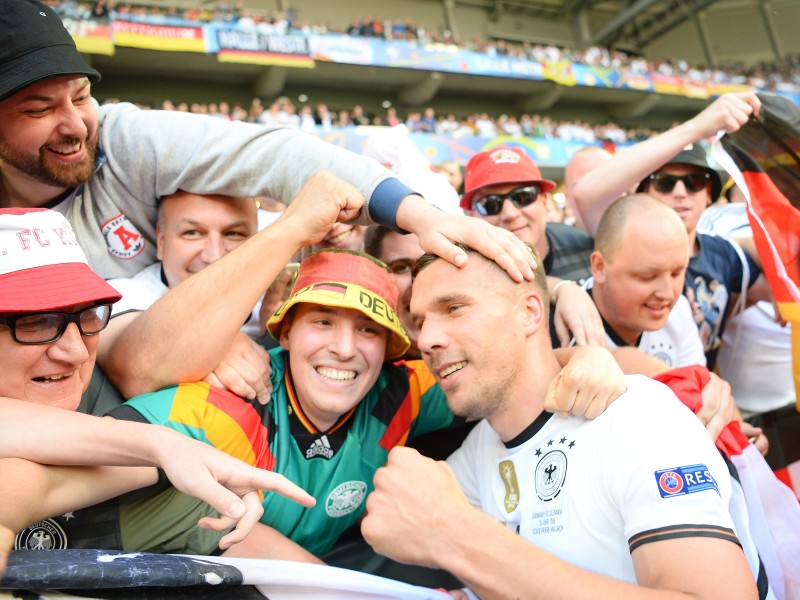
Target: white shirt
590, 492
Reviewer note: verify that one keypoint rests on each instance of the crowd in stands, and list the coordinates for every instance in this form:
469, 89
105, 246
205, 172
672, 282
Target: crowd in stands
780, 75
320, 118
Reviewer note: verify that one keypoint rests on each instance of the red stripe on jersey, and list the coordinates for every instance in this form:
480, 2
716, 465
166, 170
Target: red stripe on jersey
249, 420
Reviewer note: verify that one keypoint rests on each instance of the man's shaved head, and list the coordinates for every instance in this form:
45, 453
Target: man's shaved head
638, 209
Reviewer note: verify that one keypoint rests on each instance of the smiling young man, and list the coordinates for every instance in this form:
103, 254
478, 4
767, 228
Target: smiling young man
673, 168
337, 405
637, 282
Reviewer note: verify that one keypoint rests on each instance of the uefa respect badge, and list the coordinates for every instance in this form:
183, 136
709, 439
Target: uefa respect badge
679, 481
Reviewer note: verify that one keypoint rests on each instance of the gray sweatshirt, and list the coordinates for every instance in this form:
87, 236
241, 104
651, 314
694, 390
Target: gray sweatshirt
145, 155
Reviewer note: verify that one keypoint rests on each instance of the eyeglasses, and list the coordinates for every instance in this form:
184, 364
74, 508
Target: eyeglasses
47, 327
493, 203
664, 183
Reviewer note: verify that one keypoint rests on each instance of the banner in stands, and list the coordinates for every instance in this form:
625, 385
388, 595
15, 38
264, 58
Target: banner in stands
91, 36
232, 44
426, 57
158, 37
254, 47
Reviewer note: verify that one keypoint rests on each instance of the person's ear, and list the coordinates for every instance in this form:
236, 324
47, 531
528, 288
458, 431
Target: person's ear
286, 325
533, 311
598, 263
159, 240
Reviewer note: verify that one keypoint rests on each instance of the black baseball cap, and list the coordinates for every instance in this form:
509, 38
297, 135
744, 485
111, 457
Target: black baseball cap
35, 45
693, 155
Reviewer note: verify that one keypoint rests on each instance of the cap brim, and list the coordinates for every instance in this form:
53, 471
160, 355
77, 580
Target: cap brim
52, 287
350, 296
41, 64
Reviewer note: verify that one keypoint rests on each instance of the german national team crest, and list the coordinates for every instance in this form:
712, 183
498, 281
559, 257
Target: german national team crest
684, 480
123, 240
44, 535
345, 498
550, 475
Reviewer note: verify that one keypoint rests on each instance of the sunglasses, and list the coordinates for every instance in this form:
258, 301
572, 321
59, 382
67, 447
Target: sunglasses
664, 183
47, 327
493, 203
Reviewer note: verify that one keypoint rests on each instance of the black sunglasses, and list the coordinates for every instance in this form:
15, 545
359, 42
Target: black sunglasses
492, 204
664, 183
47, 327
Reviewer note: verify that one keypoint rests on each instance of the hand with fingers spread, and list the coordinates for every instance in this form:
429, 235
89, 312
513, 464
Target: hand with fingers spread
438, 233
587, 384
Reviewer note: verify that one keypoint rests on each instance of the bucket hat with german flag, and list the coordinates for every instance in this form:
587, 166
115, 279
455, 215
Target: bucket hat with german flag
347, 279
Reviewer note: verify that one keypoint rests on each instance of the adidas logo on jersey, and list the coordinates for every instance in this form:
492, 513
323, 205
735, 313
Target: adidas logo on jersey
320, 447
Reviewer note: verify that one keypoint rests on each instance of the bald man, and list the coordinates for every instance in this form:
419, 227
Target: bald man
638, 267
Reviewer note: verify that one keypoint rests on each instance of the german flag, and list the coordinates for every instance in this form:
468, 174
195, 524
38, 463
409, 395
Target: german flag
762, 158
765, 165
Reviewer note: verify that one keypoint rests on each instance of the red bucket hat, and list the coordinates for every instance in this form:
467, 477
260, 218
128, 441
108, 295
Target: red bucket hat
42, 267
498, 166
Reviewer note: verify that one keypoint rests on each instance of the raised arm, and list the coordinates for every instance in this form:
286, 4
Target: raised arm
187, 332
596, 190
438, 230
226, 483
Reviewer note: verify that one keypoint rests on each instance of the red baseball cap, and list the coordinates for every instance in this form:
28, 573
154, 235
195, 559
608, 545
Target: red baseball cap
42, 267
498, 166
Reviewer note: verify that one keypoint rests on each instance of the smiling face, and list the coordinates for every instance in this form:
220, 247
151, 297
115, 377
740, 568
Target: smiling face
638, 283
335, 357
195, 231
49, 133
472, 333
55, 374
527, 222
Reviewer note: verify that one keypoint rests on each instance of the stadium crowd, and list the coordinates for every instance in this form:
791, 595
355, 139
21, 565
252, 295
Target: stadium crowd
779, 75
299, 376
283, 111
